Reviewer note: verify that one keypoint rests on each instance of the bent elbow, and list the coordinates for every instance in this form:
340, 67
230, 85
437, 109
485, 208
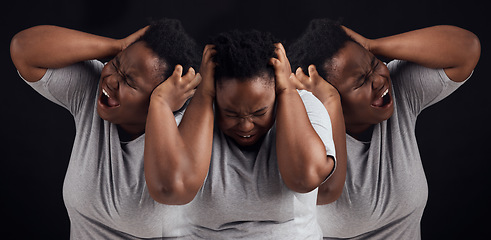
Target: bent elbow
474, 47
310, 179
16, 47
171, 194
301, 186
329, 193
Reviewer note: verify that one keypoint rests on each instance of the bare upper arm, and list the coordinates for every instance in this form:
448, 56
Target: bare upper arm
20, 59
469, 61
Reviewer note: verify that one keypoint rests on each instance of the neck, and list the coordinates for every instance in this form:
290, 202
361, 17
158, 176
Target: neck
360, 132
129, 133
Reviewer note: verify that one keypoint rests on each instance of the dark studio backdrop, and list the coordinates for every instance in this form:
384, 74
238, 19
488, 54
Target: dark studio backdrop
453, 135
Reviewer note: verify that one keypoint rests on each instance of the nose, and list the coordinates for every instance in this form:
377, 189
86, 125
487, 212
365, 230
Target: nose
112, 81
246, 124
378, 81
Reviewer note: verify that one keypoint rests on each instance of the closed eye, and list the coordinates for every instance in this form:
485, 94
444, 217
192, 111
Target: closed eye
259, 114
361, 80
126, 79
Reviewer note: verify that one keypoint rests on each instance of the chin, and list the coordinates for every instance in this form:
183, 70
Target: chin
104, 116
389, 113
250, 143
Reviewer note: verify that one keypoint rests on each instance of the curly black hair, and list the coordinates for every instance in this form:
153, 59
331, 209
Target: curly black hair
320, 42
168, 39
243, 55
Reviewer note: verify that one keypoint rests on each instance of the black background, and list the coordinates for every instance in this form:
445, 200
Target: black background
37, 135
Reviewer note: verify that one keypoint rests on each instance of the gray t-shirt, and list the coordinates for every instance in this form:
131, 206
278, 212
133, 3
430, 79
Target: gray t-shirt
244, 195
386, 190
104, 189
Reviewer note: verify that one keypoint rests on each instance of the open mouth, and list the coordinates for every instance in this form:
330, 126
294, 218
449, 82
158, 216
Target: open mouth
245, 139
107, 100
383, 100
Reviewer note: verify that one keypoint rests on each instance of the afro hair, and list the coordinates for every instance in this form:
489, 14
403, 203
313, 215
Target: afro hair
168, 39
243, 55
320, 42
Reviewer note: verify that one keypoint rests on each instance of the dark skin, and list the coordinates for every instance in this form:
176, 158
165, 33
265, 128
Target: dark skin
301, 155
245, 112
245, 109
127, 80
454, 49
362, 79
331, 189
358, 80
177, 158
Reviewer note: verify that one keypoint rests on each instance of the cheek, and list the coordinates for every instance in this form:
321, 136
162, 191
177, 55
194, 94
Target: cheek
225, 123
384, 70
107, 70
135, 102
265, 123
355, 107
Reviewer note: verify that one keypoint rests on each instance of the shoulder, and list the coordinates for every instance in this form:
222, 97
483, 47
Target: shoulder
70, 86
419, 86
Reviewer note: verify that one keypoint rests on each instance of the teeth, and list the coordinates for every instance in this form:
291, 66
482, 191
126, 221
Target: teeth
105, 93
385, 93
248, 136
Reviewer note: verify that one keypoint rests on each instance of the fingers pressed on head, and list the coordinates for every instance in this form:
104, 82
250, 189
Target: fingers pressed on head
274, 61
189, 94
301, 76
300, 73
279, 46
177, 70
197, 78
196, 81
280, 51
190, 74
209, 48
312, 70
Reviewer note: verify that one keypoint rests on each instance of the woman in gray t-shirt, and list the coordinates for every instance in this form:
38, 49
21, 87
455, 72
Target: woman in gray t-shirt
104, 190
385, 191
249, 153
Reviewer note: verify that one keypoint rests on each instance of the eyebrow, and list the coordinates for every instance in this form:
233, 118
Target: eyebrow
255, 112
117, 62
118, 67
374, 62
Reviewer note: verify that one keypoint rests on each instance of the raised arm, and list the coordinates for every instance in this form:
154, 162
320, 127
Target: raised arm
331, 189
302, 157
41, 47
177, 159
454, 49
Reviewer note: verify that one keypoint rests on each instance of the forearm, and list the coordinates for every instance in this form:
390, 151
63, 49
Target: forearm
177, 158
446, 47
45, 46
330, 190
301, 154
196, 130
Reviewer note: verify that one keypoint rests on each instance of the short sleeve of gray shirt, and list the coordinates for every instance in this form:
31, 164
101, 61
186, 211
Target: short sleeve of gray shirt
386, 190
104, 189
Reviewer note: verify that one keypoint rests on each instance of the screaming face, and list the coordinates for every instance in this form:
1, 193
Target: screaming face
245, 109
125, 87
364, 84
